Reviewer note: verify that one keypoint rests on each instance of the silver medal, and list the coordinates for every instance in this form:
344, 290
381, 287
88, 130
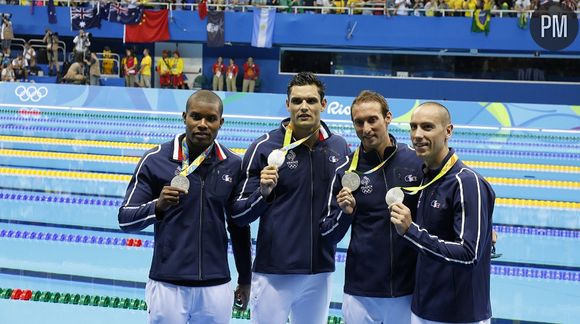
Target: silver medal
394, 195
351, 181
276, 158
180, 182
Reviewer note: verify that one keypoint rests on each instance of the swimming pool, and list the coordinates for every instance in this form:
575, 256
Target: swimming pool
64, 175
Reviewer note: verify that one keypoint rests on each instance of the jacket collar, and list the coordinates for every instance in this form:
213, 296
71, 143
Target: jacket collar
324, 130
177, 153
374, 156
431, 173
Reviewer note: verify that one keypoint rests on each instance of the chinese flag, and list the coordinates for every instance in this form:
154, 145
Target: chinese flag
202, 9
154, 27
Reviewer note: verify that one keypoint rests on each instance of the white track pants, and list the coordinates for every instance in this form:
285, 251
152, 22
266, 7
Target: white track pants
373, 310
305, 298
173, 304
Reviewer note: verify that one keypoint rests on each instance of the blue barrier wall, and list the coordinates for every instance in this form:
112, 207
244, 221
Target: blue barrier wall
321, 30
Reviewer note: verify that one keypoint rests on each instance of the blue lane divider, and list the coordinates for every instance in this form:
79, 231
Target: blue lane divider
93, 122
95, 201
232, 130
71, 238
499, 270
538, 231
535, 273
249, 140
62, 199
85, 131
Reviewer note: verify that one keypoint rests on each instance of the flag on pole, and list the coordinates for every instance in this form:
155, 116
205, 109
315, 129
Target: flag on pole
121, 13
263, 29
480, 21
154, 27
523, 20
202, 9
51, 9
85, 18
215, 29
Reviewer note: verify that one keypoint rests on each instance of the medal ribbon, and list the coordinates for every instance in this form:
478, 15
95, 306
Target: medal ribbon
288, 137
186, 168
354, 163
450, 163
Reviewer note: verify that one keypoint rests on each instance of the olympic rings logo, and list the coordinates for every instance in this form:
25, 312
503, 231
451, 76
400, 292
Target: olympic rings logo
30, 93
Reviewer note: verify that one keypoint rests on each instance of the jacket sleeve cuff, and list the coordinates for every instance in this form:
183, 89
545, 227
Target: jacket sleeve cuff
412, 232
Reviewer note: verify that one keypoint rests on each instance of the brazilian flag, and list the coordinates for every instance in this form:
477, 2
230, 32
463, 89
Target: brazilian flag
523, 20
480, 22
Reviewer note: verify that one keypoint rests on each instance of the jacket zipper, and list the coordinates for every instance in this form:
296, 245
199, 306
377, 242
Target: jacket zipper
311, 205
200, 227
390, 239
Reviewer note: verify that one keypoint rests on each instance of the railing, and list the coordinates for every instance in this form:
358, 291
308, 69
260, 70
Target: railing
358, 8
116, 62
101, 57
38, 44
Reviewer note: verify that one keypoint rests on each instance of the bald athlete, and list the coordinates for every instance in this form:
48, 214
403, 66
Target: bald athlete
453, 228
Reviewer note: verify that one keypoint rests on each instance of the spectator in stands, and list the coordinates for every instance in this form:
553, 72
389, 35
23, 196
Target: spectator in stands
76, 72
390, 8
232, 76
145, 70
339, 4
522, 5
401, 7
470, 6
219, 69
130, 68
163, 67
289, 5
177, 71
418, 8
30, 56
7, 74
309, 3
488, 4
4, 59
431, 6
456, 5
6, 34
355, 4
82, 44
20, 67
251, 74
94, 70
325, 4
51, 41
108, 61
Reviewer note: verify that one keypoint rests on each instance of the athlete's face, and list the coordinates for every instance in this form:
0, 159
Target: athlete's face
370, 125
305, 106
430, 132
203, 121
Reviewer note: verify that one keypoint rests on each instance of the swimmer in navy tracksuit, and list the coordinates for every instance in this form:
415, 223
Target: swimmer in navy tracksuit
452, 231
380, 265
293, 264
189, 280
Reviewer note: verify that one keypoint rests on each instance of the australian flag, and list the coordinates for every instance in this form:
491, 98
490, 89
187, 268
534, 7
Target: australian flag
51, 10
85, 18
124, 15
104, 10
